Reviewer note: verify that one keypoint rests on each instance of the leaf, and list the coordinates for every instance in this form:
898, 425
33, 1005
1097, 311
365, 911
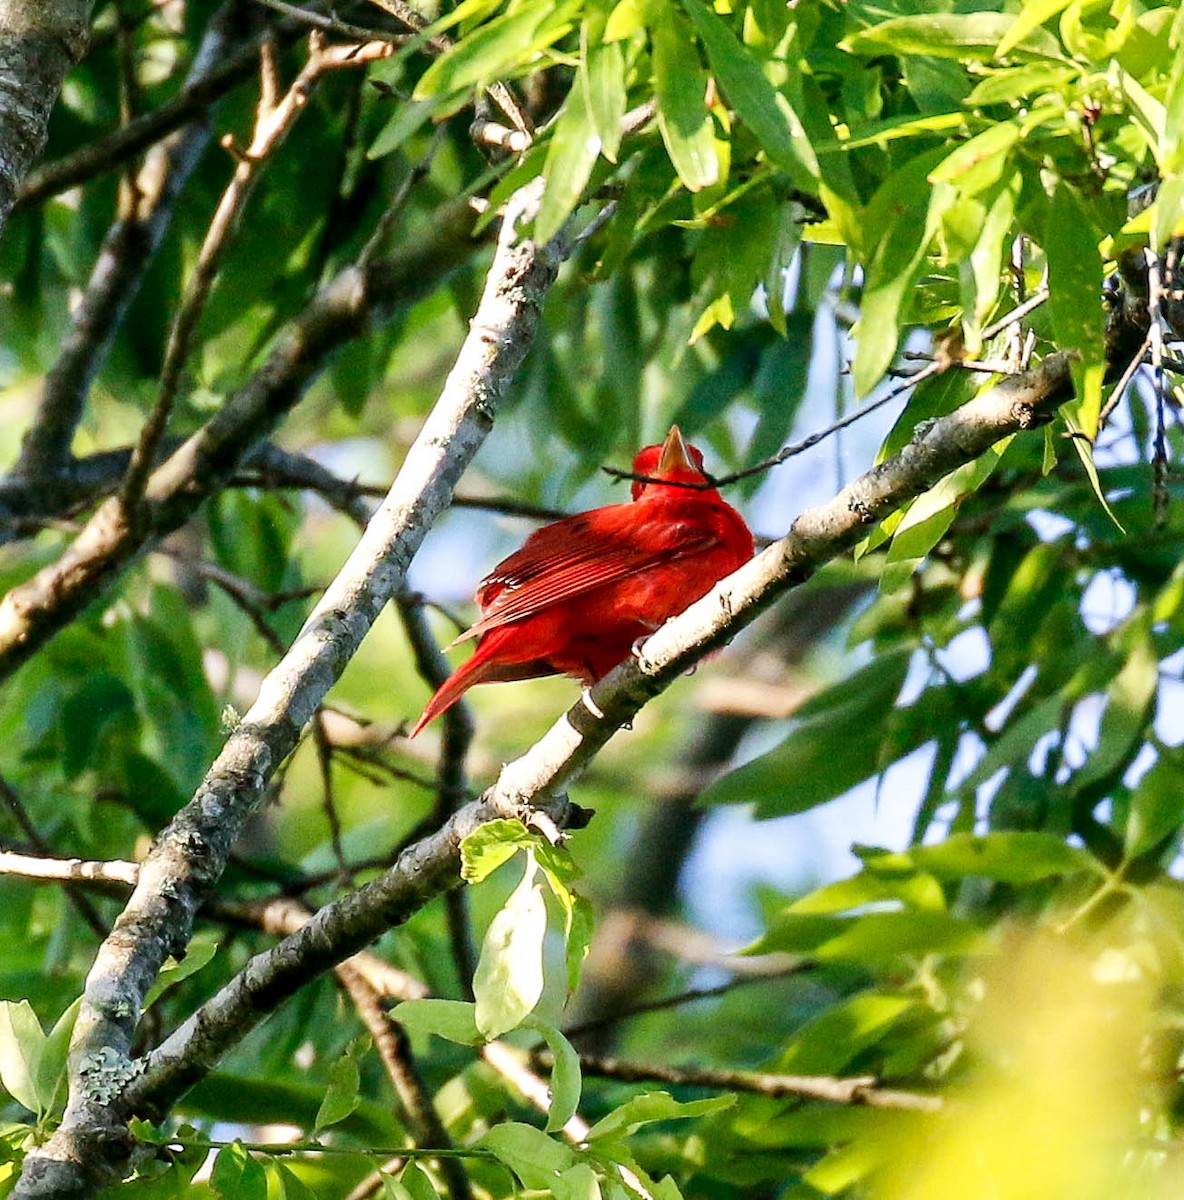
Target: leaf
343, 1095
1032, 14
896, 209
577, 1183
1156, 808
602, 79
566, 1082
198, 953
481, 57
534, 1157
973, 36
1075, 300
759, 105
238, 1176
931, 514
51, 1070
1085, 452
452, 1020
416, 1182
491, 845
1007, 857
833, 744
1130, 705
289, 1185
680, 88
650, 1107
508, 981
574, 148
21, 1045
392, 1188
872, 938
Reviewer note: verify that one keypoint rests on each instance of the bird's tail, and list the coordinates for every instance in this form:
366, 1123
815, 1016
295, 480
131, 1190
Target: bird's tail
472, 671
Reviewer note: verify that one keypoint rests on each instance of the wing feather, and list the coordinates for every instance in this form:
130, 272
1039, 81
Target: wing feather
582, 553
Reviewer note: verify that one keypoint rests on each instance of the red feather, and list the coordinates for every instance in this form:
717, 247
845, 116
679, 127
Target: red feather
580, 592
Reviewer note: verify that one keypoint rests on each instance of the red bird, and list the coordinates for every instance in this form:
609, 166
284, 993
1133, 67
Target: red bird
581, 592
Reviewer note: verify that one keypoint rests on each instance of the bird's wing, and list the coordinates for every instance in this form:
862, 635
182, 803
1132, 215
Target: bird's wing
581, 553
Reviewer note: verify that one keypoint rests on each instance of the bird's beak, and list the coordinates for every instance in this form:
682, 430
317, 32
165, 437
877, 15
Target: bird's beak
674, 455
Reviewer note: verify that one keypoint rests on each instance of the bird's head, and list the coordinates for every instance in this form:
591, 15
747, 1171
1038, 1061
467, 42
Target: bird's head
673, 460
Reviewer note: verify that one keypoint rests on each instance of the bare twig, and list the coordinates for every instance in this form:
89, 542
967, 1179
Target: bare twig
860, 1089
86, 910
68, 870
394, 1048
332, 24
193, 101
273, 120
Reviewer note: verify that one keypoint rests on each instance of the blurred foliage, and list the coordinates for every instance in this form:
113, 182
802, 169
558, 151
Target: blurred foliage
999, 668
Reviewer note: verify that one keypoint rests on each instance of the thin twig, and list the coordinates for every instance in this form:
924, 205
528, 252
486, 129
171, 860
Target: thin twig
273, 120
331, 24
861, 1089
86, 910
934, 368
1159, 493
394, 1049
68, 870
194, 100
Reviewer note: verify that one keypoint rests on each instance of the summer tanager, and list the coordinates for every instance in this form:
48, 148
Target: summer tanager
581, 593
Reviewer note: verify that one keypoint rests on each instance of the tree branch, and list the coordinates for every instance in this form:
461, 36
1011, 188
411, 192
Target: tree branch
537, 779
860, 1089
40, 40
192, 102
191, 853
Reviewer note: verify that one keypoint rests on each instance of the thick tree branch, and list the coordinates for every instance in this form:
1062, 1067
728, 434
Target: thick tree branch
537, 779
191, 853
40, 40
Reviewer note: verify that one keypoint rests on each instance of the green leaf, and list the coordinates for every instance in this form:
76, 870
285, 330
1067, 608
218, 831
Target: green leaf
508, 41
288, 1185
416, 1183
833, 744
21, 1045
973, 36
238, 1176
575, 146
931, 514
873, 938
680, 88
409, 117
51, 1070
1156, 807
534, 1157
650, 1107
491, 845
1130, 706
566, 1082
602, 78
898, 256
343, 1095
1032, 15
1019, 857
760, 106
1167, 217
452, 1020
577, 1183
1075, 300
198, 953
392, 1188
508, 981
